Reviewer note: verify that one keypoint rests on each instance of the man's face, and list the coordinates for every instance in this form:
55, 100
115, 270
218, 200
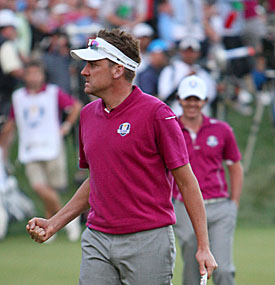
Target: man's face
98, 76
190, 55
192, 106
34, 77
144, 42
9, 32
159, 59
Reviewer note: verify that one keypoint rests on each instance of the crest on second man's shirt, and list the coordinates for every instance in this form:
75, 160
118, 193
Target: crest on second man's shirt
212, 141
124, 129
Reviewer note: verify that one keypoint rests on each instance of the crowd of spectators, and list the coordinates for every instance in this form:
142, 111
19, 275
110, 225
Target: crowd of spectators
177, 38
49, 28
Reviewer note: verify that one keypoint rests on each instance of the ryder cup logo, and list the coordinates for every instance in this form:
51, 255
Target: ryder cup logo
33, 115
193, 83
212, 141
124, 129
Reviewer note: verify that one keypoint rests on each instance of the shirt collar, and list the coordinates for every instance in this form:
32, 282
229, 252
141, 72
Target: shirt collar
43, 88
135, 91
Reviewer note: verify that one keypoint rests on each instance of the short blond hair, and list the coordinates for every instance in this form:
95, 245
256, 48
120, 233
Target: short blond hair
126, 43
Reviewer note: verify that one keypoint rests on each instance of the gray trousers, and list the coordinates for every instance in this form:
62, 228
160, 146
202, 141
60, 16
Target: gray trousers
221, 221
143, 258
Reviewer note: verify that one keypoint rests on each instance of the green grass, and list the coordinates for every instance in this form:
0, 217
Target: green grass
24, 262
253, 256
258, 197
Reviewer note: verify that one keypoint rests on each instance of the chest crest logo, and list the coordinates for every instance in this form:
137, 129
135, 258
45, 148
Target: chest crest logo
33, 115
212, 141
124, 129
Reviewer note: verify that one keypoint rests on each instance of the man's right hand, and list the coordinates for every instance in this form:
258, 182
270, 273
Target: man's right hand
39, 229
207, 262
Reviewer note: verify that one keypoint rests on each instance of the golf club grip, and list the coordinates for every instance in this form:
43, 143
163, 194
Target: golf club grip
203, 279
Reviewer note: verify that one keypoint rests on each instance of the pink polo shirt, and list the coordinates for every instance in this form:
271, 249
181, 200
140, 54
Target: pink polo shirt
250, 8
128, 152
214, 143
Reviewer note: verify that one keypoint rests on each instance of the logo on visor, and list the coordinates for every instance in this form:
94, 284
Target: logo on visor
93, 44
124, 129
193, 83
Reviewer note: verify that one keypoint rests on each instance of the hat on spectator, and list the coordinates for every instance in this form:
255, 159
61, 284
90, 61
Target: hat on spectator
7, 18
61, 8
157, 45
95, 4
142, 30
192, 86
190, 42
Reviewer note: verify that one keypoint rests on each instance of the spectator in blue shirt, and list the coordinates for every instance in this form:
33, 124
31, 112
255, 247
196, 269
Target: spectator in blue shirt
148, 79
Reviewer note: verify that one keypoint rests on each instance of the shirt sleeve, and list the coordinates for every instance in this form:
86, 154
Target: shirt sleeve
64, 100
169, 138
9, 58
231, 150
11, 113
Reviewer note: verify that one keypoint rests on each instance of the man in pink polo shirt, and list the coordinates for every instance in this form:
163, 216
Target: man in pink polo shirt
209, 142
129, 141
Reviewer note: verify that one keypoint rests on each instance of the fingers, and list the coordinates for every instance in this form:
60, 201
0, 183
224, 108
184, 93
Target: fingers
210, 268
207, 266
37, 233
31, 224
203, 270
209, 272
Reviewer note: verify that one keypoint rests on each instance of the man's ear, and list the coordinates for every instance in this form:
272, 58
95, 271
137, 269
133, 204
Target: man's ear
118, 71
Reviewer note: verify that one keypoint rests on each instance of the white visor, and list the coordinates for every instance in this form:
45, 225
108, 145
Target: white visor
99, 49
